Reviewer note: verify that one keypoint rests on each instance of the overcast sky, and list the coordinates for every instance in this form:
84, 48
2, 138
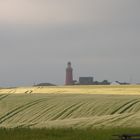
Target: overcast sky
38, 37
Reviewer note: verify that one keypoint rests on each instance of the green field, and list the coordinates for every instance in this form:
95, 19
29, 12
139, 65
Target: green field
76, 110
63, 134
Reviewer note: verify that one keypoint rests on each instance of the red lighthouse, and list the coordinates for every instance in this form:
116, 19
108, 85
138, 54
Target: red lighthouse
69, 74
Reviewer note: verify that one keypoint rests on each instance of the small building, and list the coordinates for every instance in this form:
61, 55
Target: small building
86, 80
115, 83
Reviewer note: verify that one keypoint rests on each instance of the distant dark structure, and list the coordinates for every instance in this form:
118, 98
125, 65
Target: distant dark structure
69, 75
104, 82
44, 84
86, 81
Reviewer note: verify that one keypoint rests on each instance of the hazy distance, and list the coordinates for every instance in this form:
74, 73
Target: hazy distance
100, 37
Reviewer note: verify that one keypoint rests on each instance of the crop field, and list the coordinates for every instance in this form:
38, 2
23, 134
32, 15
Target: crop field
63, 134
113, 90
77, 107
69, 112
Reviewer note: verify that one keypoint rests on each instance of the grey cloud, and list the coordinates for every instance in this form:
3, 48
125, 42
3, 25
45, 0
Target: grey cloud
102, 40
69, 11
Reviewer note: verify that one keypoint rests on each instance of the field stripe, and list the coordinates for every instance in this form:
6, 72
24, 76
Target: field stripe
19, 109
128, 107
43, 113
63, 112
4, 96
122, 106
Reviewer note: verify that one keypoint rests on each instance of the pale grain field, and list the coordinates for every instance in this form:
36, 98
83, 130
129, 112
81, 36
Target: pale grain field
119, 90
66, 107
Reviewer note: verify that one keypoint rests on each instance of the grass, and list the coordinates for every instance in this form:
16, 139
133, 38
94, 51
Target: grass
69, 111
70, 107
63, 134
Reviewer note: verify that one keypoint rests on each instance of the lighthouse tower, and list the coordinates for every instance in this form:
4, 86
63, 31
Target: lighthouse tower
69, 74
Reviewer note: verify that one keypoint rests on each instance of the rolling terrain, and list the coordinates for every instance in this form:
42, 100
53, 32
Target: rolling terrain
70, 107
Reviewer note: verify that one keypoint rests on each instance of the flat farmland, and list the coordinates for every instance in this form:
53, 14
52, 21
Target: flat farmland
112, 90
75, 107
